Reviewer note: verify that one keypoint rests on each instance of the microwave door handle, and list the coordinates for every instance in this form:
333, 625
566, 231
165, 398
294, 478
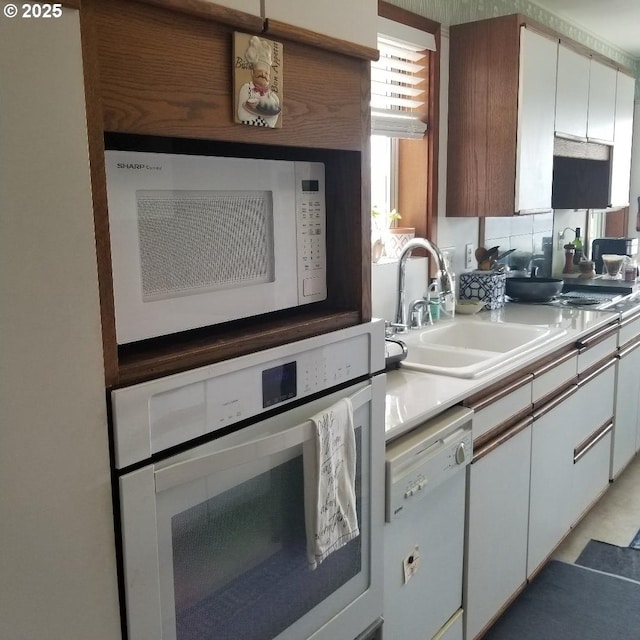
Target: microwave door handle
202, 466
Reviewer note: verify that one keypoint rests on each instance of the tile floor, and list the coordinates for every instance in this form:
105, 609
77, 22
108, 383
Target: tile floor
615, 518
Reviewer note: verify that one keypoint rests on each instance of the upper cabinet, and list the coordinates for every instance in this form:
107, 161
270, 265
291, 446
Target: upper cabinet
585, 97
536, 116
623, 132
572, 93
515, 89
602, 103
354, 21
501, 118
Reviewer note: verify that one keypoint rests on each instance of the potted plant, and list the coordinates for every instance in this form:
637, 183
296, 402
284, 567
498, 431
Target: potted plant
387, 237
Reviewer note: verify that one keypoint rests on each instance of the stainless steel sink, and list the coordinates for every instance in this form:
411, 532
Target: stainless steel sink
468, 349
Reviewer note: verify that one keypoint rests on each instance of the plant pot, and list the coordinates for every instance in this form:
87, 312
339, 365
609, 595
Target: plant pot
397, 238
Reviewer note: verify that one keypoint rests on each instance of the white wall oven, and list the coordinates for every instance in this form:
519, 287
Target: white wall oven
215, 532
200, 240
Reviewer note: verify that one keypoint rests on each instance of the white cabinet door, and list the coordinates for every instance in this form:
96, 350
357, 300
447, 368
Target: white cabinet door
591, 469
626, 416
353, 21
551, 478
536, 119
622, 135
572, 93
498, 513
602, 102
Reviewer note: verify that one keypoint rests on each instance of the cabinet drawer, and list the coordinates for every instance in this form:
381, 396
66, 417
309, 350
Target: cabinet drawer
597, 347
596, 402
629, 329
490, 413
549, 379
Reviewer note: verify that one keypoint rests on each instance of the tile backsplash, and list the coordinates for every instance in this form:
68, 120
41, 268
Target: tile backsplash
525, 234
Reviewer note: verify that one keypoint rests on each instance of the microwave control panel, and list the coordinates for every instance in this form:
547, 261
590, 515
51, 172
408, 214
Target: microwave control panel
311, 232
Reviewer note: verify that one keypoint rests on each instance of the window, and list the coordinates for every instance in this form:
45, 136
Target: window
403, 117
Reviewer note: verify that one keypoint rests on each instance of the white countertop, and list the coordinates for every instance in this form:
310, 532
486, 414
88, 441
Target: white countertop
414, 396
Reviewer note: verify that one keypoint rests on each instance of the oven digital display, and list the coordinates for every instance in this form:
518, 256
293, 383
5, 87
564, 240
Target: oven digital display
279, 384
310, 185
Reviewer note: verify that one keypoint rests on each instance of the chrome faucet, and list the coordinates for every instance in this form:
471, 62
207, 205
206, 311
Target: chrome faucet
444, 277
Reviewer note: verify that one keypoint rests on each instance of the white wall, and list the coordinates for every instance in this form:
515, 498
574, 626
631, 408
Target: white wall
57, 560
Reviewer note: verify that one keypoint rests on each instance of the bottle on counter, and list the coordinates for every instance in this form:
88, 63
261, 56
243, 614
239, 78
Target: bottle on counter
569, 253
433, 300
578, 255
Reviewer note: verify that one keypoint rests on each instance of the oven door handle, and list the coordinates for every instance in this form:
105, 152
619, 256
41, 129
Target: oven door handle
202, 466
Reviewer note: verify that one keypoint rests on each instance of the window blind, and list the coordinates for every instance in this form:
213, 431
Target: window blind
398, 81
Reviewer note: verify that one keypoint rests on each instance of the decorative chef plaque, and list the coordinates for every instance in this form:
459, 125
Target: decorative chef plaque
257, 81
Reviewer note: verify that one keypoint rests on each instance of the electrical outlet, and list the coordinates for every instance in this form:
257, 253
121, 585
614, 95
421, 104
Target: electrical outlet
468, 256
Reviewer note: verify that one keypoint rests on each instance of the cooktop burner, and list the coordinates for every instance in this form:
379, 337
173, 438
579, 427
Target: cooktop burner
593, 300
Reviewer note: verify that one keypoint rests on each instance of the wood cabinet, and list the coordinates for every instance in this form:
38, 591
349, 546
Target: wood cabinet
501, 118
622, 136
171, 77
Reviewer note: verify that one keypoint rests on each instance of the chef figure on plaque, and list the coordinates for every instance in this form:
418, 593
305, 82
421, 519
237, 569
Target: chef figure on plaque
258, 103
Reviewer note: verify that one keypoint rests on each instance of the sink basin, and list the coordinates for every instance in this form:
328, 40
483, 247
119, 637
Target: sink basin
470, 349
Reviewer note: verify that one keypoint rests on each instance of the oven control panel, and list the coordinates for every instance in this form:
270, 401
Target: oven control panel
154, 416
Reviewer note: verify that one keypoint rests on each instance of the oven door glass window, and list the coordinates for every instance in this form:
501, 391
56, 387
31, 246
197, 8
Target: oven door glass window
232, 555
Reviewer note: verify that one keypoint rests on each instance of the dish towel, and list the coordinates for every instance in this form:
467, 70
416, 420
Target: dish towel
329, 483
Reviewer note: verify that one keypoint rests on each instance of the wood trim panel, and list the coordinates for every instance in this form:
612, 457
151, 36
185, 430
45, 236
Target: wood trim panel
418, 159
483, 101
554, 399
615, 223
99, 193
554, 360
397, 14
592, 440
209, 11
498, 430
596, 337
631, 346
277, 29
596, 370
145, 361
514, 430
632, 318
497, 391
170, 75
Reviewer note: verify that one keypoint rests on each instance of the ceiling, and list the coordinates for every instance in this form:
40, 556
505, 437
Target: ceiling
614, 21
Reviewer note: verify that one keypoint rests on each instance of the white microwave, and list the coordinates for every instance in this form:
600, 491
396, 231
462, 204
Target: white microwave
201, 240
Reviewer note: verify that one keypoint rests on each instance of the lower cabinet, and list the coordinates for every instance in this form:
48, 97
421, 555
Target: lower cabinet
498, 515
625, 433
551, 475
570, 453
592, 437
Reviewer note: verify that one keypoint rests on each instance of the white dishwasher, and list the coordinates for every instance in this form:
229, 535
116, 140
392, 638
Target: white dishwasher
424, 530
